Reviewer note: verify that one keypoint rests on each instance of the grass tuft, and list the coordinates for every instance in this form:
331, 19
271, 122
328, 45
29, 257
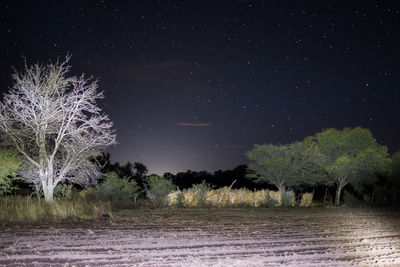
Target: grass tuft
27, 209
306, 200
227, 197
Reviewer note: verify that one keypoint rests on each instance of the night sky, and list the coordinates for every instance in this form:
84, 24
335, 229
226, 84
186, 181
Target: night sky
194, 84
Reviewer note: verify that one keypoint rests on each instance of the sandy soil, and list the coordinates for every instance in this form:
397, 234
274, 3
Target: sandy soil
237, 237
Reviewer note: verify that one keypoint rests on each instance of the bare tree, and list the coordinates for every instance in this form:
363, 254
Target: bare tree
54, 122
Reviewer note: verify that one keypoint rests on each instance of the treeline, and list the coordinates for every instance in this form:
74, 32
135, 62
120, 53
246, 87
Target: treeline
325, 164
137, 171
350, 158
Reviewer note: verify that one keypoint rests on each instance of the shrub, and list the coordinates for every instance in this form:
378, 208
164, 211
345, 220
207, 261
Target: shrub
270, 201
259, 198
179, 199
119, 191
241, 198
10, 164
275, 196
176, 198
89, 194
64, 191
172, 198
306, 200
288, 199
220, 197
37, 190
158, 189
200, 193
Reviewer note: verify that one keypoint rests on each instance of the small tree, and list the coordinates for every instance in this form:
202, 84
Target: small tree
158, 189
117, 189
271, 164
353, 156
10, 164
394, 178
286, 165
55, 123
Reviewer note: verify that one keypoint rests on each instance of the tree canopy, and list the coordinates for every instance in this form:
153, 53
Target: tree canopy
286, 165
352, 156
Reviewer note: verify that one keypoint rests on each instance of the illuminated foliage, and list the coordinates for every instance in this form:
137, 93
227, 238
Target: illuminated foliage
286, 165
117, 189
353, 156
10, 164
158, 189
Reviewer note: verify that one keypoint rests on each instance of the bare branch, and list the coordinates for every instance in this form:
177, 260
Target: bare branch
54, 121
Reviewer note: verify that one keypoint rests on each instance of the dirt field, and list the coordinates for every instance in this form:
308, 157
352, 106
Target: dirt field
237, 237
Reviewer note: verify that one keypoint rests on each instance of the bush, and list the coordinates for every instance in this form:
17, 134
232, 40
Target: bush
220, 197
270, 201
89, 194
10, 164
271, 198
176, 198
119, 191
158, 189
288, 199
65, 191
179, 199
306, 200
240, 197
200, 193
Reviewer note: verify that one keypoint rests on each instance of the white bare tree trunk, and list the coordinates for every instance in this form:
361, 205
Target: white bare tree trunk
48, 184
48, 190
340, 184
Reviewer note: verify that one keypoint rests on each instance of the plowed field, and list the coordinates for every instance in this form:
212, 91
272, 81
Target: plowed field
210, 237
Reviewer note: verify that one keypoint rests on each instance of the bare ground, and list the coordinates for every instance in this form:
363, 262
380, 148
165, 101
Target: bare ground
211, 237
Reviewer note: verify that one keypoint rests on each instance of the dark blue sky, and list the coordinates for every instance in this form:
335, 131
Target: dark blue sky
194, 84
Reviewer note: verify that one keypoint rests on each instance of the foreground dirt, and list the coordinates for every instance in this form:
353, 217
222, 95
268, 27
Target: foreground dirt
243, 237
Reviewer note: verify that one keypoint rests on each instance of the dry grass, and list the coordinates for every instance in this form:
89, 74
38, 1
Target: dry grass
226, 197
27, 209
306, 200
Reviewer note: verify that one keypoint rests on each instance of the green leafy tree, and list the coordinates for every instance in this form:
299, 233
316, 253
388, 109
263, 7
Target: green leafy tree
10, 164
158, 189
395, 166
115, 188
394, 178
352, 156
286, 165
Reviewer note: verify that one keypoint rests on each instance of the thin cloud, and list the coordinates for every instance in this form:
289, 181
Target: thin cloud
191, 124
219, 146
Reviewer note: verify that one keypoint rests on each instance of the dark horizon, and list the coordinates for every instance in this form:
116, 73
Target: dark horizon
194, 84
